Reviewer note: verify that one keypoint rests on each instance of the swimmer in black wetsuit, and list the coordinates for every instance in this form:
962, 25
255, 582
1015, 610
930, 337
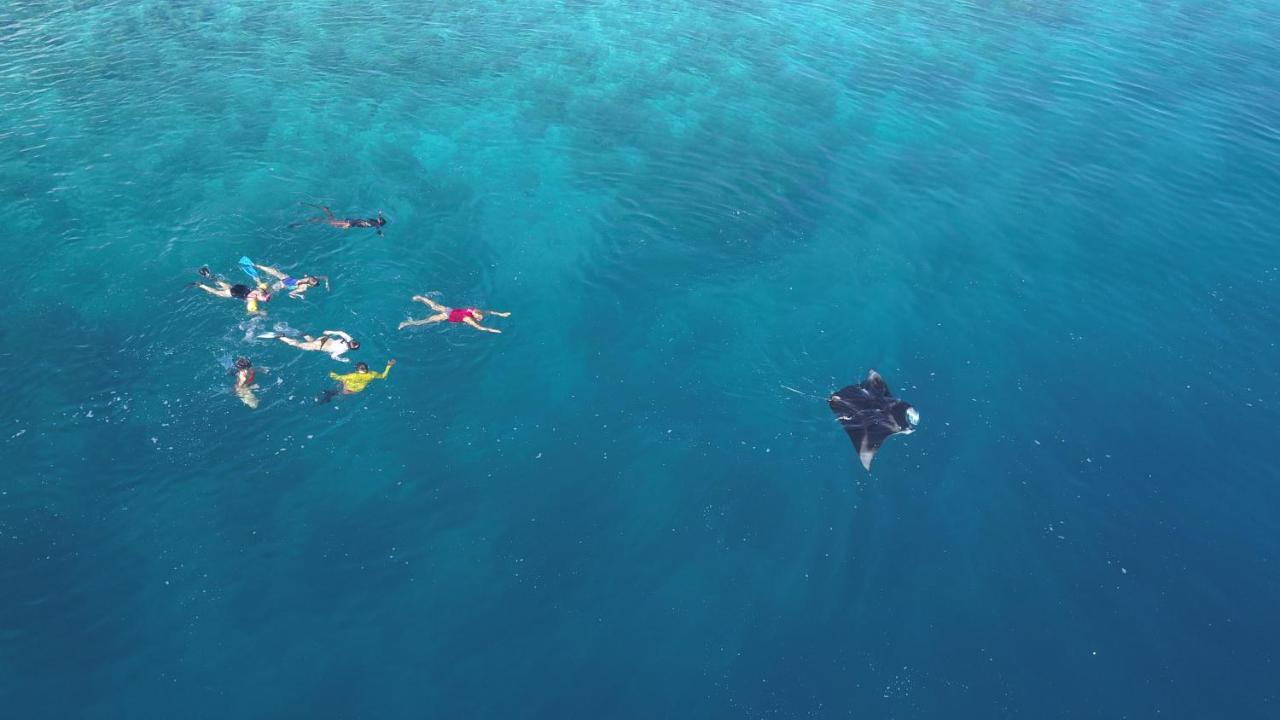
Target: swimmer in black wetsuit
221, 288
345, 223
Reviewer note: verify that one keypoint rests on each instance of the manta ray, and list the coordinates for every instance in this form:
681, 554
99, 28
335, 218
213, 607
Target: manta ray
870, 414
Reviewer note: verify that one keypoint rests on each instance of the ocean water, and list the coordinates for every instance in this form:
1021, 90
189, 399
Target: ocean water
1050, 225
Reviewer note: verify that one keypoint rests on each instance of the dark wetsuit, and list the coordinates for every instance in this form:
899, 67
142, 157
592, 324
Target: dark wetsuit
240, 292
346, 223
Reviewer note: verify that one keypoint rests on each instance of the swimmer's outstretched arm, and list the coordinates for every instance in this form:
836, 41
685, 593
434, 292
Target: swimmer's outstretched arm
383, 375
338, 333
472, 322
499, 313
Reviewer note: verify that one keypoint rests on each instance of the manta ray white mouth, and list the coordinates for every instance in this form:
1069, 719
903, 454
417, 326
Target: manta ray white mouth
913, 417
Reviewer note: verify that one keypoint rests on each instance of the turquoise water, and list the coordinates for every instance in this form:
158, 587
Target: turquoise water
1050, 225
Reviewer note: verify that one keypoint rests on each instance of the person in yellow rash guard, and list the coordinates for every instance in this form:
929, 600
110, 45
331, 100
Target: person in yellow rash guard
354, 382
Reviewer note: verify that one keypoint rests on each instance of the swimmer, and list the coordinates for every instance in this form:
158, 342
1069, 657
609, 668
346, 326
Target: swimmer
296, 286
466, 316
222, 288
345, 223
334, 342
354, 382
244, 382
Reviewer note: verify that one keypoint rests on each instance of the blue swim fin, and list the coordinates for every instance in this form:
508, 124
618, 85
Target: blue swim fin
247, 266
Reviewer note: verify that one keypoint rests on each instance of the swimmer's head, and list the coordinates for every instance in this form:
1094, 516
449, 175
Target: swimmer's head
477, 315
361, 367
354, 344
381, 220
309, 280
243, 363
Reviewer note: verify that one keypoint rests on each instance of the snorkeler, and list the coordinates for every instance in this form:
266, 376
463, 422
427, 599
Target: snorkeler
334, 342
222, 288
466, 316
244, 382
354, 382
296, 286
345, 223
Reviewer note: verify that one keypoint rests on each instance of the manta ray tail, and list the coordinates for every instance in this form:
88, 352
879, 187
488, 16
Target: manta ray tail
866, 455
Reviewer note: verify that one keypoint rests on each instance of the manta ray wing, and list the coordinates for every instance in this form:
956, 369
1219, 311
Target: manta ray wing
875, 385
849, 400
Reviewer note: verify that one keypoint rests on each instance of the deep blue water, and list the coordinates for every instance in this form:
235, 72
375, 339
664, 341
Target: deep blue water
1050, 225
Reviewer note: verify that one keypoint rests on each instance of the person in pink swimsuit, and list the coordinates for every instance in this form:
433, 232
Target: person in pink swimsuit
464, 316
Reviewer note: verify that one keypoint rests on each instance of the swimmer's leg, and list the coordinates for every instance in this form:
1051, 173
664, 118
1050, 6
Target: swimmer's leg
431, 303
438, 317
247, 397
329, 218
328, 213
328, 395
223, 290
271, 271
